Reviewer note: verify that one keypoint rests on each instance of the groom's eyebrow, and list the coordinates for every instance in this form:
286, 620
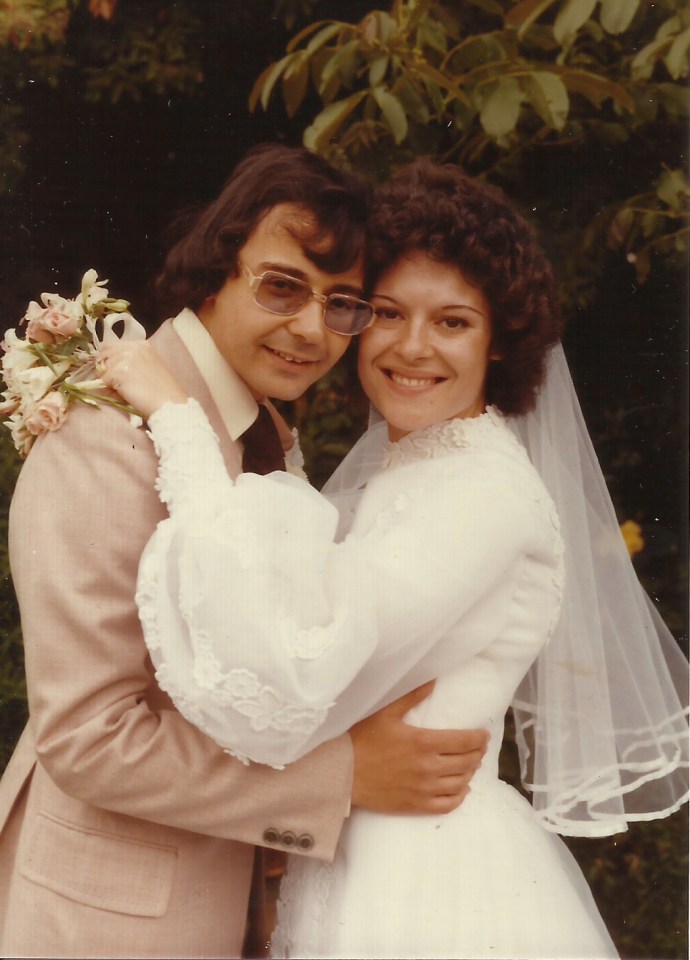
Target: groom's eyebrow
283, 268
298, 274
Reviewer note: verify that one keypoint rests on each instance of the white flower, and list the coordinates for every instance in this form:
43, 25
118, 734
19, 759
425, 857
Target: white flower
9, 404
34, 383
21, 437
18, 354
93, 290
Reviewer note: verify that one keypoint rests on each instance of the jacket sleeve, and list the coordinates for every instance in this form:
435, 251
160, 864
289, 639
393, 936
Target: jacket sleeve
83, 510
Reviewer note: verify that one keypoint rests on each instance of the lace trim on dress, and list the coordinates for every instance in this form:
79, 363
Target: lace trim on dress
238, 689
450, 436
304, 893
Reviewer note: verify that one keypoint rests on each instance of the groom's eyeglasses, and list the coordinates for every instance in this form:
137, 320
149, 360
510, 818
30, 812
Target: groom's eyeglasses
284, 295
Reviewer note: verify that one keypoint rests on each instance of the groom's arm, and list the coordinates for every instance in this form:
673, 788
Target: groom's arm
399, 768
84, 507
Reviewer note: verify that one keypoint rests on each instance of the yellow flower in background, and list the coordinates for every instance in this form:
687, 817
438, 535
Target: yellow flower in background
632, 534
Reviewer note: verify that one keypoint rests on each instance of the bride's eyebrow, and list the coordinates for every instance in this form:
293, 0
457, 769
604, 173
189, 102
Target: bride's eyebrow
462, 306
445, 306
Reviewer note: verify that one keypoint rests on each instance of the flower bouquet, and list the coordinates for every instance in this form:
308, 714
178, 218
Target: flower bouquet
55, 365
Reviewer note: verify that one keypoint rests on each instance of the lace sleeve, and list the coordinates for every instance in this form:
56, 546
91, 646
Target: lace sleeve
272, 637
191, 473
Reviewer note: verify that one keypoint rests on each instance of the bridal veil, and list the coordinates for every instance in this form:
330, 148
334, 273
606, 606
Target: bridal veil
601, 717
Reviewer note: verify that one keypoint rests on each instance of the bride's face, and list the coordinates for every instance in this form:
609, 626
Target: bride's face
426, 356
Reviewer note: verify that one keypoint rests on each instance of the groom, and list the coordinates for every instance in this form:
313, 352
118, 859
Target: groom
125, 831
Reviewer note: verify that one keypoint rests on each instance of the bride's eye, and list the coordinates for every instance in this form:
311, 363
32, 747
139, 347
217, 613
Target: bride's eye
387, 314
453, 323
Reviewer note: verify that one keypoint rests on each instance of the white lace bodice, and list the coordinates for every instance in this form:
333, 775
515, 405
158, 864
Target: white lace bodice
272, 637
450, 436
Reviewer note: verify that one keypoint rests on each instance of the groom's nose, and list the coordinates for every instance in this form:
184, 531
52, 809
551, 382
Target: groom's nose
307, 323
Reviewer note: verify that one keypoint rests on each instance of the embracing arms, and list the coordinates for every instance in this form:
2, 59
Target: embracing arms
84, 508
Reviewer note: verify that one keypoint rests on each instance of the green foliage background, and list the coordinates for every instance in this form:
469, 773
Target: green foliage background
115, 113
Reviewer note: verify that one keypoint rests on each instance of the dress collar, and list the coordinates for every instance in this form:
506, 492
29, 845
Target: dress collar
236, 405
446, 437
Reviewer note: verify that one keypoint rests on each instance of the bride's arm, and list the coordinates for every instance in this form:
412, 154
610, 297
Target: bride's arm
257, 621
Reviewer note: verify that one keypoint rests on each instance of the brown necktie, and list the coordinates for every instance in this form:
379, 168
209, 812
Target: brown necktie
263, 451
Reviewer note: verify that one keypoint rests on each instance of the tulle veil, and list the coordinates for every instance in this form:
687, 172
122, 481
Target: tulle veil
601, 717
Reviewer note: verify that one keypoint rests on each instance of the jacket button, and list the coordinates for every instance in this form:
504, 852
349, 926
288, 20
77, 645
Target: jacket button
271, 835
305, 842
288, 839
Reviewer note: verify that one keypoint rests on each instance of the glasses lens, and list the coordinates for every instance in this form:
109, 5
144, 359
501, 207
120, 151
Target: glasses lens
347, 315
281, 294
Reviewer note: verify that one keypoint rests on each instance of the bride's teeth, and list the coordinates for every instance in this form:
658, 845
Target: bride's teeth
411, 381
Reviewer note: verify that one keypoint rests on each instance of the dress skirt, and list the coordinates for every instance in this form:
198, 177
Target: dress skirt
484, 881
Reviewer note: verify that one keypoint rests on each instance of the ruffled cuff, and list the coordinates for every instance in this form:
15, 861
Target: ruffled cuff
191, 472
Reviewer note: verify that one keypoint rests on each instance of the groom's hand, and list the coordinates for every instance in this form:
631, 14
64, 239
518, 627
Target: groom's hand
404, 769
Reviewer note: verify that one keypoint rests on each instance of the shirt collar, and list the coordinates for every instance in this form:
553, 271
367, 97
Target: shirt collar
236, 405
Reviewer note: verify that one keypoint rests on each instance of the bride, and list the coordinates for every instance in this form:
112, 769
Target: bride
467, 538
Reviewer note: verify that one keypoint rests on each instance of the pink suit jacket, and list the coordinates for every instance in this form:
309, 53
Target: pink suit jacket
125, 831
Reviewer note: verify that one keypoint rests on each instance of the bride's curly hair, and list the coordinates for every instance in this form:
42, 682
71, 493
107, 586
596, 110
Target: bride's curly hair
461, 220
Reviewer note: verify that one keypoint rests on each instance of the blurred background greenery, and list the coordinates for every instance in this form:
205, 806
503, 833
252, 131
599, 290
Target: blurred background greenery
114, 114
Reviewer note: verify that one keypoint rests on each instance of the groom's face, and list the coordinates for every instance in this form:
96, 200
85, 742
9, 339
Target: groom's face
278, 356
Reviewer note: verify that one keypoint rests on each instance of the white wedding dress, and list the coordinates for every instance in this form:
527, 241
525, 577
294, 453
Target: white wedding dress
272, 637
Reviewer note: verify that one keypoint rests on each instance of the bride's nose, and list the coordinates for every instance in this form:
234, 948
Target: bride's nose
414, 340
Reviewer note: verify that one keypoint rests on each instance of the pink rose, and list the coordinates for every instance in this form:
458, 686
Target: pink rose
48, 414
59, 319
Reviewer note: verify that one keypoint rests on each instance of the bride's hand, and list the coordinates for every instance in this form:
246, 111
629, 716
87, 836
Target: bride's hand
138, 374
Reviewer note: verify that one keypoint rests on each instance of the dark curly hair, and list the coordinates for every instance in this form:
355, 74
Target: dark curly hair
209, 239
457, 219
